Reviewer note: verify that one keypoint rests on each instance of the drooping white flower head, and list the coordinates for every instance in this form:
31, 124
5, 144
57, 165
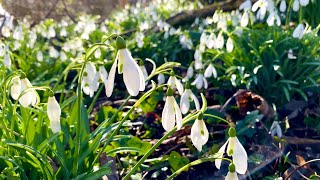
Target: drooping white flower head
232, 175
246, 5
299, 31
54, 113
190, 72
273, 18
186, 98
291, 55
132, 75
90, 79
275, 129
220, 41
245, 19
175, 83
171, 113
263, 5
139, 39
200, 82
39, 56
304, 2
283, 6
53, 52
161, 79
185, 42
28, 97
296, 5
7, 61
210, 71
211, 40
63, 56
199, 133
229, 45
236, 150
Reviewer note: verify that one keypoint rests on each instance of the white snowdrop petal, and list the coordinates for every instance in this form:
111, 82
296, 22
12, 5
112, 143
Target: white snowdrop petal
179, 85
15, 88
130, 72
244, 19
53, 109
283, 6
196, 101
239, 157
208, 71
184, 102
178, 114
110, 81
229, 45
220, 154
295, 5
304, 2
168, 115
161, 79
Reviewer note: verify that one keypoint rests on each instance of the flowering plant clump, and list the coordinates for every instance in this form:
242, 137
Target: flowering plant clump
141, 96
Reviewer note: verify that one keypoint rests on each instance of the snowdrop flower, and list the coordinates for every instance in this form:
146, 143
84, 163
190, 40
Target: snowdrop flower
39, 56
211, 40
229, 45
186, 98
185, 41
54, 113
198, 55
97, 53
132, 75
246, 5
103, 75
236, 150
28, 97
295, 5
298, 32
275, 129
273, 17
63, 32
90, 79
63, 56
53, 52
139, 39
17, 33
171, 113
200, 82
304, 2
7, 61
262, 4
175, 83
245, 19
283, 6
161, 79
220, 41
210, 71
190, 72
291, 55
232, 175
222, 24
199, 133
51, 32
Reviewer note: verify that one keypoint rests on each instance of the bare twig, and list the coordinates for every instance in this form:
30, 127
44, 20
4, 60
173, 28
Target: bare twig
297, 168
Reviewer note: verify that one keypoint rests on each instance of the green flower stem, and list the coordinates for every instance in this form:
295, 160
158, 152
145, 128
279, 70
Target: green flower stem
193, 163
153, 148
147, 94
77, 138
219, 118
